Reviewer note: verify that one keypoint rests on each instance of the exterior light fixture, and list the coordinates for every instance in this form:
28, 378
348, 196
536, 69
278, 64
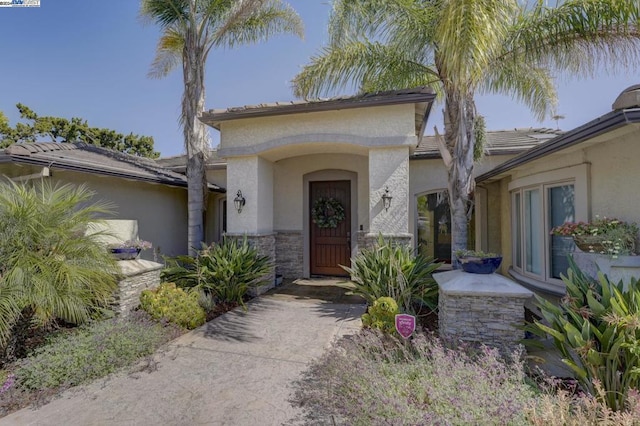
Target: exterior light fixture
239, 201
386, 198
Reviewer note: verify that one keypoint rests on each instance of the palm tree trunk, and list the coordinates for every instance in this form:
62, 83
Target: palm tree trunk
460, 113
195, 135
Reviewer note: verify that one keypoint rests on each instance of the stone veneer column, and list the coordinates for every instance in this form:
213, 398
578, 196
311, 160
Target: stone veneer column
136, 275
290, 254
482, 308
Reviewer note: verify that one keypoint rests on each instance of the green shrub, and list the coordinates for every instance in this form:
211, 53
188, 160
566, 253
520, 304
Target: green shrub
393, 270
91, 352
596, 327
173, 304
50, 267
382, 315
226, 270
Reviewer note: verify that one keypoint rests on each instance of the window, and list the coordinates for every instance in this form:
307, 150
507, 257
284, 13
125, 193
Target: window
536, 210
434, 227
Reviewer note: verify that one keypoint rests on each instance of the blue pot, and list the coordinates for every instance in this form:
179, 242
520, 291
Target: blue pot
476, 265
125, 253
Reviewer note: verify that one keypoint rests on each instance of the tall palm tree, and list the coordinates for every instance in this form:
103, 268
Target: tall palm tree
190, 29
464, 47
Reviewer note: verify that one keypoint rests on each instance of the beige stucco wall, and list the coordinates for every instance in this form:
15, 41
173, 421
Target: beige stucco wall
361, 125
254, 177
217, 177
160, 210
389, 168
611, 179
289, 188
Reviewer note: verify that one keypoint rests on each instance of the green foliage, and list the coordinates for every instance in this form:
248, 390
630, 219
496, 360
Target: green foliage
393, 270
382, 315
372, 379
58, 129
91, 352
173, 304
226, 270
596, 327
50, 267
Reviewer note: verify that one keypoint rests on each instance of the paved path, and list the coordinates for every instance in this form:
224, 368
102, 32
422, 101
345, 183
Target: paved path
235, 370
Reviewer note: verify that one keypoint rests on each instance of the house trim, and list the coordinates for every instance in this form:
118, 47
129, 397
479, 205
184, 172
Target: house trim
599, 126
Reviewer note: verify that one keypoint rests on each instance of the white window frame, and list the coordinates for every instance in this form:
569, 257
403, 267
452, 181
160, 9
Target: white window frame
575, 175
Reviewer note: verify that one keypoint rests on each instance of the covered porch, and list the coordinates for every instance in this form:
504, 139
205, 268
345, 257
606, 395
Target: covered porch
320, 180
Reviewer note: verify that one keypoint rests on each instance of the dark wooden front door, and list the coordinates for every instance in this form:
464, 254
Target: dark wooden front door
331, 247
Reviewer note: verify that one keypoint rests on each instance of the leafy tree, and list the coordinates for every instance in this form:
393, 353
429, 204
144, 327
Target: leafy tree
50, 267
191, 28
464, 47
58, 129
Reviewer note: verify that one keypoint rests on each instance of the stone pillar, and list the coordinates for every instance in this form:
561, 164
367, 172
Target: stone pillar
136, 275
290, 254
482, 308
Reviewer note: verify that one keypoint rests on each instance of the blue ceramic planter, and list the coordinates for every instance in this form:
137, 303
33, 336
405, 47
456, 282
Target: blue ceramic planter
125, 253
477, 265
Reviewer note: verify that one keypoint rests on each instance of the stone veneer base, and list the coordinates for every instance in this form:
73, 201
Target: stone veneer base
135, 276
290, 254
480, 308
369, 239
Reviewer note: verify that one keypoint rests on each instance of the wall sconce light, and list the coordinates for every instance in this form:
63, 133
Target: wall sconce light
239, 201
386, 198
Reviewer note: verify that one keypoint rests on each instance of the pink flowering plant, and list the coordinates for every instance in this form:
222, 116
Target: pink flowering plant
602, 235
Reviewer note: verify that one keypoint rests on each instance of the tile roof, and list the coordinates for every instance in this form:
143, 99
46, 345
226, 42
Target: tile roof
86, 158
499, 142
178, 163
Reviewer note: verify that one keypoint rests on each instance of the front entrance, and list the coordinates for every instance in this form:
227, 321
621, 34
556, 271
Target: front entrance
330, 246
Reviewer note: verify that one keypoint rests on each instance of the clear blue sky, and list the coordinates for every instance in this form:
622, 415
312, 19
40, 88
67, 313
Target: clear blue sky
89, 59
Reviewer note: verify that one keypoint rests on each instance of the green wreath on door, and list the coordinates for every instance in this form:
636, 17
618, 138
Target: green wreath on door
327, 212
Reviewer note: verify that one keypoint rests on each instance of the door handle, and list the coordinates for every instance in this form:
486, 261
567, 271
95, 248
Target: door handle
349, 239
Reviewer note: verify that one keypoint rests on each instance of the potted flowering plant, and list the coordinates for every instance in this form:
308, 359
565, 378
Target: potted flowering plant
129, 249
478, 261
602, 236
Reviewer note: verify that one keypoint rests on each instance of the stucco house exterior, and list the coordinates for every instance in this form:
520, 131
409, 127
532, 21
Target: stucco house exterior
281, 158
139, 188
588, 171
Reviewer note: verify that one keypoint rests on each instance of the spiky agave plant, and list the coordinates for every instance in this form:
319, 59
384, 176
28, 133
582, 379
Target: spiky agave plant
50, 266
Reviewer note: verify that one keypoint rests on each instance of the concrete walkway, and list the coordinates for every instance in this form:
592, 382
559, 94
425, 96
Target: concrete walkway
235, 370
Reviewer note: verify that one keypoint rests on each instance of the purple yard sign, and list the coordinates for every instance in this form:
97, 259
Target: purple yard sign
405, 324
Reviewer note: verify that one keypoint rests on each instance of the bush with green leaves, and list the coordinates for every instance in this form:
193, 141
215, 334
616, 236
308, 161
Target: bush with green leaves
51, 268
92, 351
382, 315
173, 304
394, 270
596, 327
226, 270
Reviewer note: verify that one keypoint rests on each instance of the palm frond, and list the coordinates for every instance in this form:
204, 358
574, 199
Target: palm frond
254, 21
579, 37
469, 34
372, 65
530, 85
164, 12
168, 53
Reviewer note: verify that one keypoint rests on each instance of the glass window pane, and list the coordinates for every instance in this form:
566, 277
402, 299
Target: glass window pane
533, 231
561, 210
517, 230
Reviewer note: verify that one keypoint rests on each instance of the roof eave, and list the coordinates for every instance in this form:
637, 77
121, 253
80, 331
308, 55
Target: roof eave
88, 169
599, 126
214, 119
